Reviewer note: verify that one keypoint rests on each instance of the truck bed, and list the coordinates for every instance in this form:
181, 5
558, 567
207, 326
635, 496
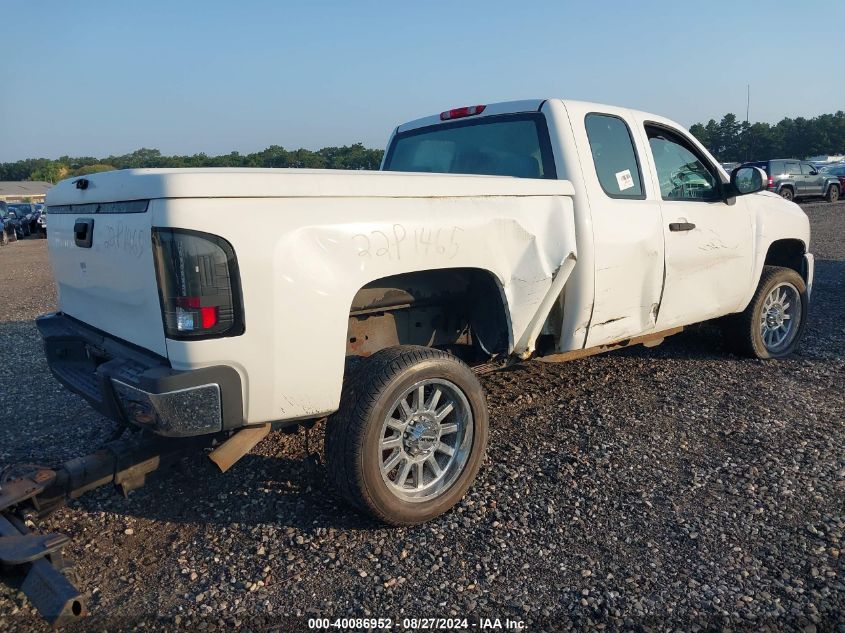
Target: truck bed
137, 184
305, 242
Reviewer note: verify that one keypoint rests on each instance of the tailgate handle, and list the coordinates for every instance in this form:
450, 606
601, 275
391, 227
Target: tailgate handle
83, 232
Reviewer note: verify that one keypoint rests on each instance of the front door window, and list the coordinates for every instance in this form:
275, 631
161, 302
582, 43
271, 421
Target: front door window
682, 174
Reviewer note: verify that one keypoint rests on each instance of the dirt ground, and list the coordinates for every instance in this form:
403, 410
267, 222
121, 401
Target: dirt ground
679, 487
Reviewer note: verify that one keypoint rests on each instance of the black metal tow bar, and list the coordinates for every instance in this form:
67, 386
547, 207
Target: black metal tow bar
36, 492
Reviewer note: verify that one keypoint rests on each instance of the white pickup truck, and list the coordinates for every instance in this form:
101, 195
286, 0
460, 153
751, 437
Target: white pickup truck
204, 301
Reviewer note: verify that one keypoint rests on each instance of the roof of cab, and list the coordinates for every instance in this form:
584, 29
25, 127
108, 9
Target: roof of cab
490, 109
513, 107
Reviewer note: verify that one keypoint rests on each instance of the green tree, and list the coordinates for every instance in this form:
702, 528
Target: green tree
49, 171
92, 169
700, 132
731, 140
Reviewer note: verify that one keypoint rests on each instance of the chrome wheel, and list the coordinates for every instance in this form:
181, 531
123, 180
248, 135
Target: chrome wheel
780, 317
426, 440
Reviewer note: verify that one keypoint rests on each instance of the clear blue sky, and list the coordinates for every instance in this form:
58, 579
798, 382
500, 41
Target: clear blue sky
104, 77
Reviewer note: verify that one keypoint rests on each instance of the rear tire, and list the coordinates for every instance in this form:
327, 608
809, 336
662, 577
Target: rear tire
409, 436
832, 193
787, 193
773, 323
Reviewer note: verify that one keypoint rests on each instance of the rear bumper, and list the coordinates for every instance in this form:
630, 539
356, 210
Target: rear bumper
128, 384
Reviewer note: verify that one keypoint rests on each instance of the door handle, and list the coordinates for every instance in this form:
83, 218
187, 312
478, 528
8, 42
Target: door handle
681, 226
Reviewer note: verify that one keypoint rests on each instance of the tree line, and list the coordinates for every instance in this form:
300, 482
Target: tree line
727, 140
347, 157
733, 140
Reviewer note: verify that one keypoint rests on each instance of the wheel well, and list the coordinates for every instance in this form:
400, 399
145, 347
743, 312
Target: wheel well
787, 253
460, 309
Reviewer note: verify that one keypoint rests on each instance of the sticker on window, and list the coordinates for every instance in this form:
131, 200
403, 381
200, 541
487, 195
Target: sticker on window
625, 179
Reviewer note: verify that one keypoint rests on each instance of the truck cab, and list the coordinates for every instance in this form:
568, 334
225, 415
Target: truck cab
664, 239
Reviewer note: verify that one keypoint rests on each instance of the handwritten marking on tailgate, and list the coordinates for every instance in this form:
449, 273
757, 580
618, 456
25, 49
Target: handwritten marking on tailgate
129, 240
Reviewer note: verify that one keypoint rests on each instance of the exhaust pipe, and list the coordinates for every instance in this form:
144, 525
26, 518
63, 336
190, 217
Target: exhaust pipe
241, 443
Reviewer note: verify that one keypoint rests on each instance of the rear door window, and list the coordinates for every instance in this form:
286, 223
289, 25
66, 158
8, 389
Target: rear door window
614, 156
792, 168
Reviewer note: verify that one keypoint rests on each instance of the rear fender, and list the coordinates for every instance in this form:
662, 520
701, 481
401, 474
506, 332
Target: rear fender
301, 266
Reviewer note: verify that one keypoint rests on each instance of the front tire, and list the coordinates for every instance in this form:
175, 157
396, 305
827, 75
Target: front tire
410, 434
832, 193
773, 323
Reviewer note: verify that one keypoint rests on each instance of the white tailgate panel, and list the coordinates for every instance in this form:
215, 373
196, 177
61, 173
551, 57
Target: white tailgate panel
112, 285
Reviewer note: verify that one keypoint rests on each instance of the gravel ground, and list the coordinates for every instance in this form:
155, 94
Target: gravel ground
671, 488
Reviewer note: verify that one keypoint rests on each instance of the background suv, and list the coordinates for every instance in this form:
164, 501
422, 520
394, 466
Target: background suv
25, 212
11, 223
837, 170
793, 179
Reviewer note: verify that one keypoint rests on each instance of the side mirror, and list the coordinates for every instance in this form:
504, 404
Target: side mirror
814, 173
745, 180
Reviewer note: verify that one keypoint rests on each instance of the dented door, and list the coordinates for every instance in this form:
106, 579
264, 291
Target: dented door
626, 223
708, 240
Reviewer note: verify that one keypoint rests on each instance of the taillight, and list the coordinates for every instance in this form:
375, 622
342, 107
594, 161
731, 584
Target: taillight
459, 113
198, 284
771, 182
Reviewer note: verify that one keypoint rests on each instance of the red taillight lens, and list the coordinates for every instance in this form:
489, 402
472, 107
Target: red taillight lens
771, 181
459, 113
198, 284
209, 317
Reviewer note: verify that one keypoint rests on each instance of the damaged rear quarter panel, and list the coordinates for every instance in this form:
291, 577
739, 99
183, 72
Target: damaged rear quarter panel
301, 266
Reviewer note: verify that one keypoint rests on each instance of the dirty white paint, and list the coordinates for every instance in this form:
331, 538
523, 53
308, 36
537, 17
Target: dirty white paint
774, 218
109, 285
306, 241
627, 243
298, 281
303, 258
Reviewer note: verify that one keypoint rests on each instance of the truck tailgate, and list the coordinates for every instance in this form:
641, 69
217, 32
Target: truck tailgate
102, 260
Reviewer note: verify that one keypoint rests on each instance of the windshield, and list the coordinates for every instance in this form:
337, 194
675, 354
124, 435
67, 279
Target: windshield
508, 145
